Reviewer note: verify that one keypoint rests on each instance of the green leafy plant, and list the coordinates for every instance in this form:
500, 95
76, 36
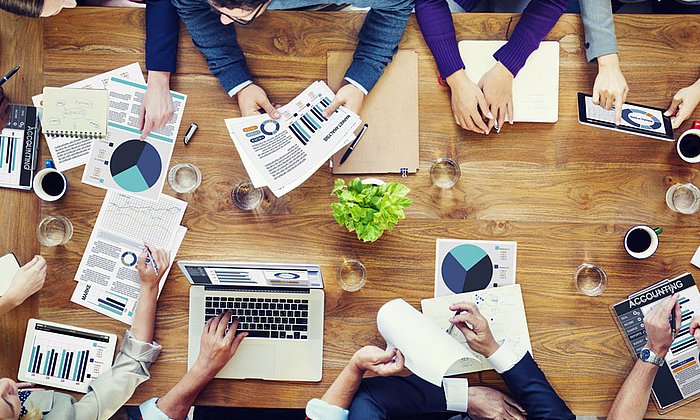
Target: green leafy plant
369, 210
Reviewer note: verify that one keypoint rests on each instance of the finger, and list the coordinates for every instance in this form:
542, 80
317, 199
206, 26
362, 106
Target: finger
216, 322
608, 101
231, 334
501, 116
483, 105
463, 306
618, 109
208, 325
514, 413
223, 323
141, 263
25, 385
237, 341
465, 318
510, 111
470, 125
400, 360
596, 96
337, 102
40, 263
673, 107
514, 403
669, 304
28, 266
147, 127
265, 104
478, 121
680, 117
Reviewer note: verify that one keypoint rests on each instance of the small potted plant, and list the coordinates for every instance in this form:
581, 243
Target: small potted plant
369, 208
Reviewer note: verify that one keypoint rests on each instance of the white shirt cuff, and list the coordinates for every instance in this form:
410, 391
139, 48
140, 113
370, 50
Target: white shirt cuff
150, 411
238, 88
320, 410
504, 359
456, 395
357, 85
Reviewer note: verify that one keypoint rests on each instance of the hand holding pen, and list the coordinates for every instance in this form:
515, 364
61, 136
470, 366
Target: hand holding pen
475, 328
152, 265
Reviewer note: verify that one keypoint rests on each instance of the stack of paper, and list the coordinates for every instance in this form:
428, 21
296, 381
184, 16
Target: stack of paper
108, 280
281, 154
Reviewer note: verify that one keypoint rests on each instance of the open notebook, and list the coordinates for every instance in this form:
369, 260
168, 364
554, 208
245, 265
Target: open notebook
72, 112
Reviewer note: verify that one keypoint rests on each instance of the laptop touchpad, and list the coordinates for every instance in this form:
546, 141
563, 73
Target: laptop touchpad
255, 360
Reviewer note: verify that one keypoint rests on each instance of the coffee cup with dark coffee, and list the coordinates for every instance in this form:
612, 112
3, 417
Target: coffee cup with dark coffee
688, 144
49, 183
642, 241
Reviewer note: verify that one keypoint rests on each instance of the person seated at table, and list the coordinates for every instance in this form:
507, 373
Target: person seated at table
157, 106
4, 109
683, 104
391, 395
632, 399
112, 388
218, 345
209, 23
478, 105
28, 280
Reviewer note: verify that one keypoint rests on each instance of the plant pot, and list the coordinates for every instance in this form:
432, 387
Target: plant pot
373, 181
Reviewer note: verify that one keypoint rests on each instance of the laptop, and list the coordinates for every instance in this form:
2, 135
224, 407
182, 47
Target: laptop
279, 305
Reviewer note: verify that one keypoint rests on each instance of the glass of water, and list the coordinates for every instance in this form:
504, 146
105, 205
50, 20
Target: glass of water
184, 178
352, 275
683, 198
445, 173
54, 230
590, 279
245, 196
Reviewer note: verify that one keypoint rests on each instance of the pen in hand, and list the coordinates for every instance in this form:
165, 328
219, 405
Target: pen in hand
151, 259
11, 73
452, 326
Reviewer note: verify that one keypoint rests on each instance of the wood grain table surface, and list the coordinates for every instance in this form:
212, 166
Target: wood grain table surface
566, 193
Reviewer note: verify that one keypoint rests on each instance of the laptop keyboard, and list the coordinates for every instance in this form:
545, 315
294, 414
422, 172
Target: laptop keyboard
263, 317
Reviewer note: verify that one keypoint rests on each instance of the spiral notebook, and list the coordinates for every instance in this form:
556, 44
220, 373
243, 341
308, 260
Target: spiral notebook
75, 112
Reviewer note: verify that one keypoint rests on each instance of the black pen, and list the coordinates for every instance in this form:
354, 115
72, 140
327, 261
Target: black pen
451, 327
353, 144
8, 75
673, 323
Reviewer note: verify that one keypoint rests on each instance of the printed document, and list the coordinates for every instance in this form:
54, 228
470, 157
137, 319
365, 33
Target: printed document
281, 154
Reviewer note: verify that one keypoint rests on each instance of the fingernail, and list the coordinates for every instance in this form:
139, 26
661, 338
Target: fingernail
489, 116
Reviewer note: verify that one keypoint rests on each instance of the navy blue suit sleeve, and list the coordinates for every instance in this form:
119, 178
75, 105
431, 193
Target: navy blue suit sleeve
162, 35
533, 392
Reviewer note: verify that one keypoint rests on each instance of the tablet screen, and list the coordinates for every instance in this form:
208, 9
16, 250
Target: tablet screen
636, 117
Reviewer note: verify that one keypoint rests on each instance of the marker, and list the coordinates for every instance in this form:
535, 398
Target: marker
451, 327
150, 257
8, 75
190, 133
353, 144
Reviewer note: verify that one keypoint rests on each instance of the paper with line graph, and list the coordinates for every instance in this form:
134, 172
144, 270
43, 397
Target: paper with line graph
281, 154
108, 280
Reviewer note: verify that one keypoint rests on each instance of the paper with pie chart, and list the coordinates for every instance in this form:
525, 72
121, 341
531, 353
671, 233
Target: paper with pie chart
124, 163
466, 265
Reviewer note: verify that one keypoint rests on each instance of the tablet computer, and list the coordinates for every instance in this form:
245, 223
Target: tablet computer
63, 356
636, 119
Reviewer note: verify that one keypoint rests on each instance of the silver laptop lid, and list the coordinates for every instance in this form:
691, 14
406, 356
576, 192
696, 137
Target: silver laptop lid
244, 274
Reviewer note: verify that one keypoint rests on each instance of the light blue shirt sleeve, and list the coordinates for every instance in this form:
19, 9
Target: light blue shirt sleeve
317, 409
150, 411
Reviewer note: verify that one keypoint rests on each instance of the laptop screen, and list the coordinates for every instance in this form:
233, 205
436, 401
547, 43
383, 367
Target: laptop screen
255, 275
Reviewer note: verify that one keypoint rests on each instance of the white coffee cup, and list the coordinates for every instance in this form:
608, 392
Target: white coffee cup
694, 130
639, 245
39, 177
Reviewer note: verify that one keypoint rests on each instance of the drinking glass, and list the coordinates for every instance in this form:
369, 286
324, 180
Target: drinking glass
54, 230
184, 178
352, 275
590, 279
683, 198
245, 196
445, 173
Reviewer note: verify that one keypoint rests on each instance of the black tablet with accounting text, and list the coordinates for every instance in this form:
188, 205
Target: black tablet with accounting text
636, 119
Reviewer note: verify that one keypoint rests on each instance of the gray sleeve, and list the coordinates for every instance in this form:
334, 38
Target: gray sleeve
599, 28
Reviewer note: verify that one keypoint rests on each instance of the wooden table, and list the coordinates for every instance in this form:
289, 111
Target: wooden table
565, 192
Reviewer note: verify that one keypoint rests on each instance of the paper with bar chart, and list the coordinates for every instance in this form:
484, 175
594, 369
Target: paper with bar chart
122, 161
65, 357
281, 154
108, 279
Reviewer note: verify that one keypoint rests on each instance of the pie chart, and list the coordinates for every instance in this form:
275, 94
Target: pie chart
467, 268
135, 165
641, 119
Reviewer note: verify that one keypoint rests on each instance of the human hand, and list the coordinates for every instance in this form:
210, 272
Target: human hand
475, 328
27, 281
497, 85
349, 96
488, 403
382, 363
149, 278
695, 329
4, 109
218, 345
610, 87
659, 337
252, 98
157, 106
468, 103
683, 104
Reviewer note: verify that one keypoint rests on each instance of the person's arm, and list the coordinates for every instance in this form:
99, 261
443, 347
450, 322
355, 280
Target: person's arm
27, 281
524, 378
4, 109
217, 347
695, 329
598, 28
378, 42
632, 400
683, 104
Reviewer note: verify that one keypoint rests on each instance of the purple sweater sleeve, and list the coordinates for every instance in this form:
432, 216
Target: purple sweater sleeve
537, 20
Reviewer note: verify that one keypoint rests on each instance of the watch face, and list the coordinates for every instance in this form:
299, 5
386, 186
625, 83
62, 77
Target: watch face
645, 354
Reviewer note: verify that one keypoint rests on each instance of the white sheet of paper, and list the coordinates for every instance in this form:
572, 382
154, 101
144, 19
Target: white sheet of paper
503, 308
428, 349
68, 152
535, 88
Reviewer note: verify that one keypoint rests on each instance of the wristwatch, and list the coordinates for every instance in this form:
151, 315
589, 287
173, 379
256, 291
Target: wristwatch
649, 356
